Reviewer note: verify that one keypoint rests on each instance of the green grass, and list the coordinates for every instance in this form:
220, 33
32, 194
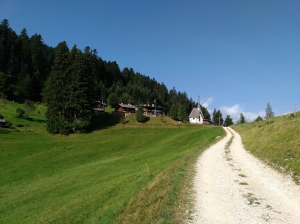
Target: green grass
277, 142
124, 173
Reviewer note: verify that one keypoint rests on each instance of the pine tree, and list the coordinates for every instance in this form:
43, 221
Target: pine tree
140, 115
259, 118
228, 121
79, 112
182, 113
269, 111
242, 119
57, 92
173, 112
205, 113
217, 117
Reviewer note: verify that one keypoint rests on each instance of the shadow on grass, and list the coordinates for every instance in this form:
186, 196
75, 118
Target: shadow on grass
146, 119
105, 120
35, 120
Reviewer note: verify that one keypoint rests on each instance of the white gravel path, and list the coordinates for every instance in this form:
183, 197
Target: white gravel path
232, 186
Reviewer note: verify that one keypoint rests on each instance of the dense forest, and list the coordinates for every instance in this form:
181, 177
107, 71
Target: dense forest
69, 80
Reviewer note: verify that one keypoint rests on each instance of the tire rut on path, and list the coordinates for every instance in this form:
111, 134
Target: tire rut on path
232, 186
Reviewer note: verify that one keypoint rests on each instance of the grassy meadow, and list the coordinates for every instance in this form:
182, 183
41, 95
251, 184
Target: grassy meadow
276, 142
123, 172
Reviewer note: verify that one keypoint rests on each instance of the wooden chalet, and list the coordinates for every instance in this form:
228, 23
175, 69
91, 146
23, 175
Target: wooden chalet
127, 109
98, 107
153, 110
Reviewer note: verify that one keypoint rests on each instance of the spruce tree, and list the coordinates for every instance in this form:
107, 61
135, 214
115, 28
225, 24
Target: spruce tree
182, 113
140, 115
242, 119
228, 121
269, 111
78, 102
173, 112
217, 117
57, 92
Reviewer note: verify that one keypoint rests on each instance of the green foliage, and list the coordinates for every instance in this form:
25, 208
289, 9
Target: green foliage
113, 100
217, 117
174, 112
205, 112
269, 111
228, 121
20, 112
29, 69
242, 119
2, 101
29, 106
259, 118
182, 116
69, 108
140, 115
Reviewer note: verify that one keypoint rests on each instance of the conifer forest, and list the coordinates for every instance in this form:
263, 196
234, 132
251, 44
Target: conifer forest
68, 80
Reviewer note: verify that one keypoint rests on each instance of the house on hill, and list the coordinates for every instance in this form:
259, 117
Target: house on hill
153, 110
127, 109
98, 107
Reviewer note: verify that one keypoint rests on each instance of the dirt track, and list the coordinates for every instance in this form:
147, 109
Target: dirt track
232, 186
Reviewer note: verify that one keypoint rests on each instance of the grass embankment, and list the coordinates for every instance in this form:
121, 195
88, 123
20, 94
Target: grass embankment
277, 142
126, 173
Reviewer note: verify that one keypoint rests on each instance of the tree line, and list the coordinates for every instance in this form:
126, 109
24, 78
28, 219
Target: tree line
68, 81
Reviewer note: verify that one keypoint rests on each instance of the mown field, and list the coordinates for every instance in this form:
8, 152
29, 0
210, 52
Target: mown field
121, 173
277, 142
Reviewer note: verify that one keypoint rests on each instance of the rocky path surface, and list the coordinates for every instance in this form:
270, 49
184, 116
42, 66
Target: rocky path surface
232, 186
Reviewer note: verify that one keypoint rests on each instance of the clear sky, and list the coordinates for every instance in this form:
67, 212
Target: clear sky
237, 55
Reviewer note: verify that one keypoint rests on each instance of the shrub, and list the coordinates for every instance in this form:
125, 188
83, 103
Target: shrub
4, 131
20, 112
29, 106
140, 115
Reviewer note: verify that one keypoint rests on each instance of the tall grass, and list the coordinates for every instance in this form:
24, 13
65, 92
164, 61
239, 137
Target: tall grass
276, 141
126, 173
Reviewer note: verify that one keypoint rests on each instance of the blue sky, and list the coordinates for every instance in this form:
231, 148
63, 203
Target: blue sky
237, 55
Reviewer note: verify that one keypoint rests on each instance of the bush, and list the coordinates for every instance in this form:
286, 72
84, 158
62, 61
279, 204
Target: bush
20, 112
29, 106
4, 131
113, 100
140, 115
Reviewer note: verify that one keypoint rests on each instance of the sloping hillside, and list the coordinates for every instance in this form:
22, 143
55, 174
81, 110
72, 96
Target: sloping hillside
277, 142
121, 172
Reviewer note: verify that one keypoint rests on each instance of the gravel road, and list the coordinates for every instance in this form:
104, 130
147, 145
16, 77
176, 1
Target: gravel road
232, 186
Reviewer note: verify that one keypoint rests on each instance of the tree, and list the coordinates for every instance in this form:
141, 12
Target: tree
173, 112
217, 117
29, 106
2, 101
259, 118
140, 115
181, 113
20, 112
269, 112
228, 121
113, 100
242, 119
205, 113
57, 92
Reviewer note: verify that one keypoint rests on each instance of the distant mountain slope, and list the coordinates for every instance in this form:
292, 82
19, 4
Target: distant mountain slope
277, 142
